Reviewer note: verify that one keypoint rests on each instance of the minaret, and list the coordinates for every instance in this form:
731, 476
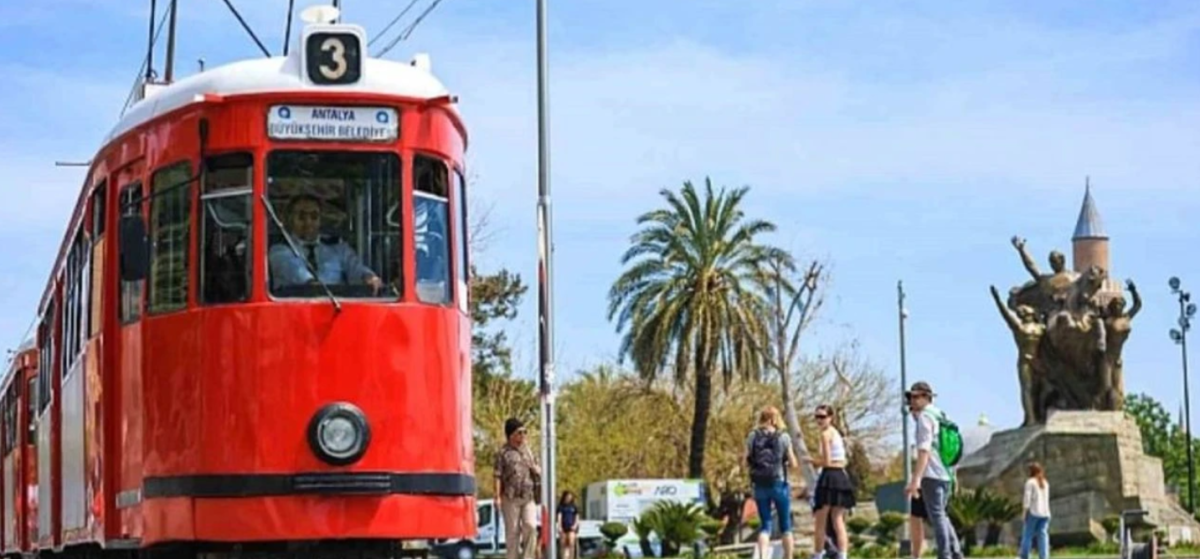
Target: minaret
1090, 243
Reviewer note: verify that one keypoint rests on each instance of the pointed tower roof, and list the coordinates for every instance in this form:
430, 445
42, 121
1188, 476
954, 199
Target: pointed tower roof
1089, 225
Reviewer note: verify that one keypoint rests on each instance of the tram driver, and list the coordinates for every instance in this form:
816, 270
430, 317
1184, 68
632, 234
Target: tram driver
335, 263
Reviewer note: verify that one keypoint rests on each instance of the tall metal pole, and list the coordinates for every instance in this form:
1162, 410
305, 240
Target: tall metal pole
1187, 402
904, 411
1187, 410
545, 300
169, 72
1186, 311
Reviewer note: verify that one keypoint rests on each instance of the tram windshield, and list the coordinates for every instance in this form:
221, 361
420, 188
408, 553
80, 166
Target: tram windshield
341, 212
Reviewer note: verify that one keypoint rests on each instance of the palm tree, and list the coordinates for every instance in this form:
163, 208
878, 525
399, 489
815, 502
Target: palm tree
998, 510
692, 299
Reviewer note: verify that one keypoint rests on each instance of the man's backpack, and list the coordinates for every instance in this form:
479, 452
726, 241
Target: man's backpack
765, 457
950, 443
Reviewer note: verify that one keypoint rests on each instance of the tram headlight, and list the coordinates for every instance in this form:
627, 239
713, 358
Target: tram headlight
338, 434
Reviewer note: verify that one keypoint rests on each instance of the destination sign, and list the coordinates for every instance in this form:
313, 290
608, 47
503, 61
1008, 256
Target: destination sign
338, 124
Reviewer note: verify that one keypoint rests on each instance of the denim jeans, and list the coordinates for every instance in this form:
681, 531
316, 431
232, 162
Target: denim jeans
936, 494
779, 495
1039, 527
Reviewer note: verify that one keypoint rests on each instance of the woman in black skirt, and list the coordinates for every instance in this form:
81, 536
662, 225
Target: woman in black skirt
834, 492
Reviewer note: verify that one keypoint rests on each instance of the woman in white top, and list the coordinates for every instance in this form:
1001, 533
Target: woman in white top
1037, 513
834, 493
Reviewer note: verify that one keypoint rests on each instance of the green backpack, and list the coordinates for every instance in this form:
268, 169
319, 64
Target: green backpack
949, 444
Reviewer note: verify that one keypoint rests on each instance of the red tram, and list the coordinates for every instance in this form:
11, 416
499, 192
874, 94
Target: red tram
255, 336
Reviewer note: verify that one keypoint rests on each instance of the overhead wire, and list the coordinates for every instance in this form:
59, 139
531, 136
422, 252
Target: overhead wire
246, 26
393, 22
408, 30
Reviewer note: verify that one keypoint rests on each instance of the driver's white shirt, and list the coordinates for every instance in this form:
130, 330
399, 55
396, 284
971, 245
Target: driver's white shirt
335, 263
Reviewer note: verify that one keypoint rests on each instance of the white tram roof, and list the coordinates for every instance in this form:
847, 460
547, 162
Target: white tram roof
280, 74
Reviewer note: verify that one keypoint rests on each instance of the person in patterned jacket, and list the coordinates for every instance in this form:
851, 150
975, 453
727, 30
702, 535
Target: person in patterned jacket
517, 474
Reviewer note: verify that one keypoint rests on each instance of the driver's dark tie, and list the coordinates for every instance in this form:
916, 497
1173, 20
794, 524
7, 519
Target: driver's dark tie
312, 256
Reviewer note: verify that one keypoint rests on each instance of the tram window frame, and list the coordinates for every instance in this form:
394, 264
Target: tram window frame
166, 187
10, 417
462, 240
132, 292
379, 191
427, 193
99, 212
99, 207
212, 191
65, 329
31, 397
75, 302
46, 344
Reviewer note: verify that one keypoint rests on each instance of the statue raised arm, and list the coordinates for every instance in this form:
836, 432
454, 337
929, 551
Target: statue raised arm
1137, 299
1010, 317
1026, 259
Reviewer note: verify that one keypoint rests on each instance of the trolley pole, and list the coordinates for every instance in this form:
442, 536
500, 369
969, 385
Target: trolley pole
169, 73
903, 314
545, 299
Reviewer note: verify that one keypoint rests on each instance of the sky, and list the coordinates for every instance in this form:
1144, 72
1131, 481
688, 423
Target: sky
897, 140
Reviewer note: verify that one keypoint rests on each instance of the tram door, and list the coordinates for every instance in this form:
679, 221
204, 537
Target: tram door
123, 383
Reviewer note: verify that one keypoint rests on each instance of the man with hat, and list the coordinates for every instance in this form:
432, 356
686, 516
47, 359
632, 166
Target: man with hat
931, 478
516, 475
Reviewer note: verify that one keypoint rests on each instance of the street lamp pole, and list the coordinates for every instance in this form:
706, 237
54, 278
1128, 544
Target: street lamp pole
1187, 310
545, 299
904, 411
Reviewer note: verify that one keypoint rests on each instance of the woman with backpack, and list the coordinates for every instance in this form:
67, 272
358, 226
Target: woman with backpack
769, 453
834, 492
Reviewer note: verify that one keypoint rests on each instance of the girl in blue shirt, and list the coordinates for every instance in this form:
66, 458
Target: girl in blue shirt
568, 522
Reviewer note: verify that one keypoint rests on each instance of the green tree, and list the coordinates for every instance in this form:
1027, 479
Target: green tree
493, 297
610, 425
689, 298
1161, 438
613, 425
1154, 423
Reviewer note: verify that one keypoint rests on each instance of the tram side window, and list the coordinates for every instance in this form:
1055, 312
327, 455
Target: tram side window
431, 207
460, 234
99, 205
226, 228
341, 212
46, 358
66, 328
75, 302
96, 256
131, 291
10, 417
170, 227
31, 398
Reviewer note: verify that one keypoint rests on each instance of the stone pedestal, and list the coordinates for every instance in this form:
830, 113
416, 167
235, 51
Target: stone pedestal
1095, 465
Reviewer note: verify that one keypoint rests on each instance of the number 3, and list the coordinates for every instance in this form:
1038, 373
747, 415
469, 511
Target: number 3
338, 57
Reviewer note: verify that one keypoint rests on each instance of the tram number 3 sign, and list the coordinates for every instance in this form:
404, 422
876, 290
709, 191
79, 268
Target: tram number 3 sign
333, 58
